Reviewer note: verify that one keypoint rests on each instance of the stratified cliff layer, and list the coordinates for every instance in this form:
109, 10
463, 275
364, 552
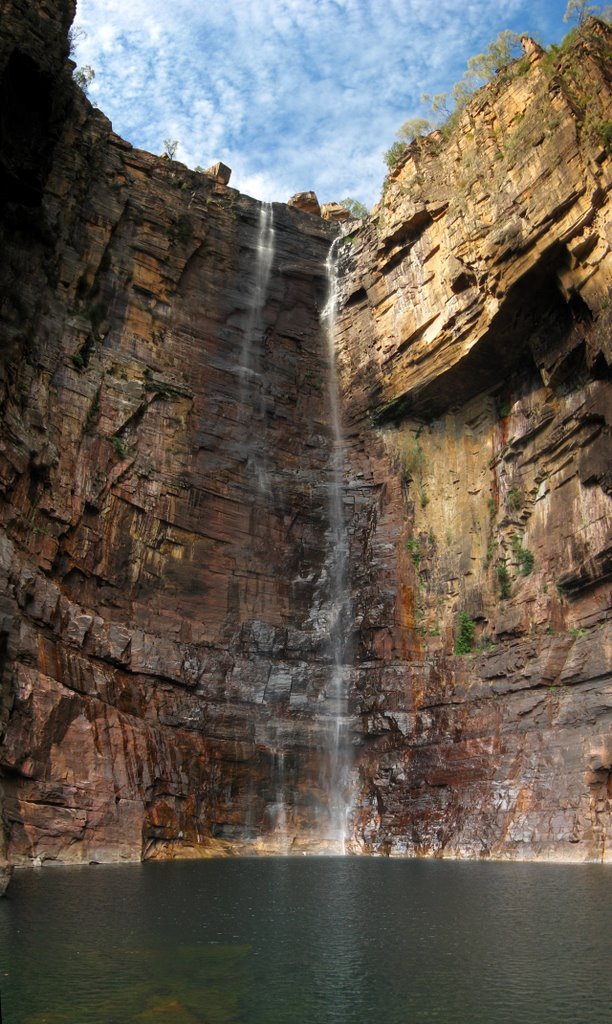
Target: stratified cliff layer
475, 342
165, 466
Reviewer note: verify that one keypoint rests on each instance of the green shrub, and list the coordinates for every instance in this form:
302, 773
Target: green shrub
604, 130
354, 207
413, 129
503, 578
464, 640
413, 547
395, 153
524, 556
515, 498
527, 561
119, 445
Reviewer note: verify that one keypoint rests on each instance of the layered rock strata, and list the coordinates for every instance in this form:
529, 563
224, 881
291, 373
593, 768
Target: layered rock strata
165, 463
164, 466
475, 342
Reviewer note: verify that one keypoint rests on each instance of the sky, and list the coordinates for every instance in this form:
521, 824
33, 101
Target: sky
292, 94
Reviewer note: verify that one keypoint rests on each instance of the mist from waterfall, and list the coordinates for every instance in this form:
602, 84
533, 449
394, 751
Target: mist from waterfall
337, 768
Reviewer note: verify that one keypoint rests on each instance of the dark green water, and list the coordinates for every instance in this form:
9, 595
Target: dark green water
308, 941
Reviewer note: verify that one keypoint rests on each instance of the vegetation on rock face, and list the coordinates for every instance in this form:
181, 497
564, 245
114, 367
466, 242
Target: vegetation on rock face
524, 556
580, 10
464, 640
604, 130
170, 148
499, 55
503, 578
395, 153
412, 129
85, 74
515, 499
356, 208
119, 446
500, 59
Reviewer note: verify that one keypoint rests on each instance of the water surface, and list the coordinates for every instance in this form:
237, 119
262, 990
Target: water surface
308, 941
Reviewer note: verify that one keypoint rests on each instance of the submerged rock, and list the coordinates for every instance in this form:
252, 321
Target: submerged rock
6, 871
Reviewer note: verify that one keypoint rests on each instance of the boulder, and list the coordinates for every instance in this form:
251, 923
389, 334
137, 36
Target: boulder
334, 211
219, 171
305, 201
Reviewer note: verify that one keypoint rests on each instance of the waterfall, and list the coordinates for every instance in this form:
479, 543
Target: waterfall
338, 759
251, 379
280, 807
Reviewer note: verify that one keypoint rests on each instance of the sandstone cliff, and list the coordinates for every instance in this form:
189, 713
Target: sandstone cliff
165, 461
475, 344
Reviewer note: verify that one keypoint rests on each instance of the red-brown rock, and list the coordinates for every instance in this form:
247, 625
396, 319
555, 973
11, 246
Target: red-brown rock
165, 459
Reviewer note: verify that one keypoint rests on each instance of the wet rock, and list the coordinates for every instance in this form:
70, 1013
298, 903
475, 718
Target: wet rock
5, 876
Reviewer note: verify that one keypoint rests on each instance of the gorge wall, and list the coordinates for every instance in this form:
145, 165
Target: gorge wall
167, 553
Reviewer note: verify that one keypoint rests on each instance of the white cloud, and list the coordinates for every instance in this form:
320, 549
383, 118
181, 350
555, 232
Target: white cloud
293, 94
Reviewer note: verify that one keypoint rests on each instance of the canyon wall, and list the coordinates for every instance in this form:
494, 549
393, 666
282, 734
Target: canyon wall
475, 340
165, 458
167, 548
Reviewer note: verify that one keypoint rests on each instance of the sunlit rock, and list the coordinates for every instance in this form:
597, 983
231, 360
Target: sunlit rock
221, 172
305, 201
335, 211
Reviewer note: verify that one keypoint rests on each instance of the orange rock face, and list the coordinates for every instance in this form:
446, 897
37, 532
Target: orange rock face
165, 559
474, 330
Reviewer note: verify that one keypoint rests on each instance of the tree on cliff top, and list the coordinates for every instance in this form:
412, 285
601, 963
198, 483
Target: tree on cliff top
85, 74
413, 128
581, 10
170, 148
482, 68
355, 207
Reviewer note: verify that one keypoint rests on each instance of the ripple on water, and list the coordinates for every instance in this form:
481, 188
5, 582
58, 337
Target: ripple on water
308, 940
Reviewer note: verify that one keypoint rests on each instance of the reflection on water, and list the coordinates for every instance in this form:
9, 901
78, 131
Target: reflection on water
314, 941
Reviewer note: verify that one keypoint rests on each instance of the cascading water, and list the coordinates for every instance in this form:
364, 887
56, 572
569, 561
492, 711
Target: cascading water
337, 769
251, 380
253, 416
280, 807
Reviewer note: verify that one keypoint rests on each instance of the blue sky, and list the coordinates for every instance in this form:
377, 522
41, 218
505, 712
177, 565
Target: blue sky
292, 94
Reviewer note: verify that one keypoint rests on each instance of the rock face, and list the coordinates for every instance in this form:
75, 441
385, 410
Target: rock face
306, 201
474, 333
335, 211
165, 462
